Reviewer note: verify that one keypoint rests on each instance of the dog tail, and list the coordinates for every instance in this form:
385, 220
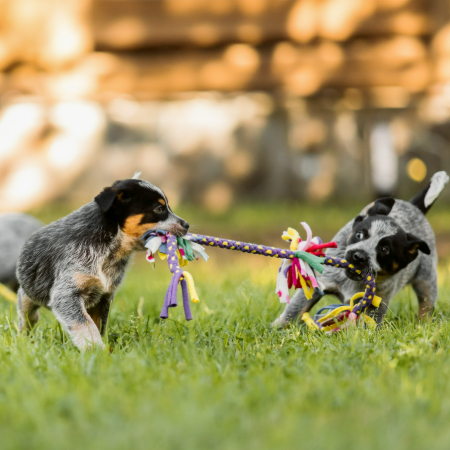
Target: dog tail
426, 197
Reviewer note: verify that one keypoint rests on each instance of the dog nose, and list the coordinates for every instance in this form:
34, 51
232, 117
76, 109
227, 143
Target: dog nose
184, 224
358, 257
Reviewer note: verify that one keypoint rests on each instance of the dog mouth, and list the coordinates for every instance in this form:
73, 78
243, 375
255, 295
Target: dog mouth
352, 275
178, 230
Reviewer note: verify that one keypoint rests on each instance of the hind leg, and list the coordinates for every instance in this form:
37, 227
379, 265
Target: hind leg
27, 310
426, 291
426, 288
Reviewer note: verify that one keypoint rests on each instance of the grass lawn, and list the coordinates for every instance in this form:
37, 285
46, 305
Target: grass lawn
226, 380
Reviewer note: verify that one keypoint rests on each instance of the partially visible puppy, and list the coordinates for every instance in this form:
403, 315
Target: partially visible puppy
15, 229
394, 240
75, 265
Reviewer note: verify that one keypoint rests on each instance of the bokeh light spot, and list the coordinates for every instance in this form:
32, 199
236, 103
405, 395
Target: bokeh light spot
416, 169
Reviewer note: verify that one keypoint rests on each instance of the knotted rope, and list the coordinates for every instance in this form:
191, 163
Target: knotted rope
298, 269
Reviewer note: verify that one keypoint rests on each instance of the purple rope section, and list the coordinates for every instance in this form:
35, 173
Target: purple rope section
244, 247
369, 292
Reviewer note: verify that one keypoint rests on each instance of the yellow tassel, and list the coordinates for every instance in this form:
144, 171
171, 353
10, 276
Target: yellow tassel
8, 294
163, 256
309, 322
183, 262
191, 287
305, 289
376, 301
334, 313
295, 238
355, 297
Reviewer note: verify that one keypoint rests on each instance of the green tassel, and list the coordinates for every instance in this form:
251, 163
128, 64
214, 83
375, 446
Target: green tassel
187, 247
314, 261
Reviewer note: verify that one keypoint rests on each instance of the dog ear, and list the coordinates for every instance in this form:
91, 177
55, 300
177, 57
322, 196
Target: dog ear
414, 244
382, 207
106, 198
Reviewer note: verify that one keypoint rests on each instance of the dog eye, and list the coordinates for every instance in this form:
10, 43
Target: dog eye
385, 251
359, 235
159, 209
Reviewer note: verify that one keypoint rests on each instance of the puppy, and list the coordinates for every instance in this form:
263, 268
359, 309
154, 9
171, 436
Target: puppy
15, 229
391, 238
75, 265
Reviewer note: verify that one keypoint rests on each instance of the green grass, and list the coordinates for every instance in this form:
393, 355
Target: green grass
226, 380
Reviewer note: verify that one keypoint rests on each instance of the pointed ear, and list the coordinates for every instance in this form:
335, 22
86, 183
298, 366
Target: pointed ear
382, 207
414, 244
106, 198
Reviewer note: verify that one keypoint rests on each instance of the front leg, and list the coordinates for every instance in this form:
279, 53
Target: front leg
298, 305
378, 314
68, 307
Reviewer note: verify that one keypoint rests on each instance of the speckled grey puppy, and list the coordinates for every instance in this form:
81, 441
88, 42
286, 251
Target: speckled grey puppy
15, 229
75, 265
394, 240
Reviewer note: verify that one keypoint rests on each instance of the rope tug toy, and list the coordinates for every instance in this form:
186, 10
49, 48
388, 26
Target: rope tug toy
298, 269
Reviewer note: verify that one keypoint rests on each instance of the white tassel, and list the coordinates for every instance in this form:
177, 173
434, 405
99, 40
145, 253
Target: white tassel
282, 289
154, 244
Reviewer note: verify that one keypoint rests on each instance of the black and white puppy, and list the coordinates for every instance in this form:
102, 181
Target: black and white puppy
75, 265
394, 240
15, 229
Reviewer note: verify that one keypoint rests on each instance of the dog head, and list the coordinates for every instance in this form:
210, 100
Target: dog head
138, 206
378, 244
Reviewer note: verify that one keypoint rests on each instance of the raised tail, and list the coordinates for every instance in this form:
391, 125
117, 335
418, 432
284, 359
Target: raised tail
426, 197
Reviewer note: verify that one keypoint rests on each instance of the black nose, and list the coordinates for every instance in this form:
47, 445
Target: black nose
357, 257
184, 224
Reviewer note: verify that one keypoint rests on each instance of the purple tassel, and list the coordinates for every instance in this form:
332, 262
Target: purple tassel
170, 300
187, 308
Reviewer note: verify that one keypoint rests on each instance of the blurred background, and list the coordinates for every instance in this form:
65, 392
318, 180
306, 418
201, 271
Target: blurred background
224, 102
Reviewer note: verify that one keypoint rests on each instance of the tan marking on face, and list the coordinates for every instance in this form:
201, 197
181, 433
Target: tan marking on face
85, 281
395, 265
162, 202
413, 249
133, 226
